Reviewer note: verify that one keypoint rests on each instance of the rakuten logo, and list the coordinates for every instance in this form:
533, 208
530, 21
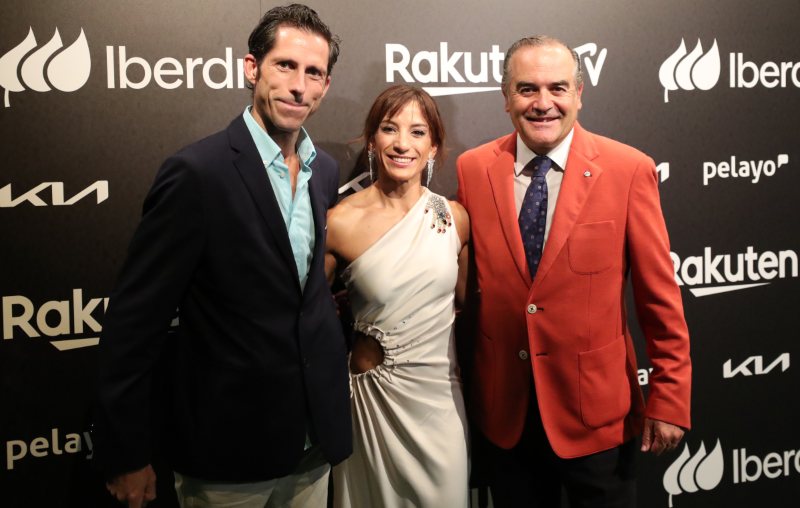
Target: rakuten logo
54, 444
754, 366
68, 320
472, 73
701, 70
39, 197
720, 273
751, 170
50, 66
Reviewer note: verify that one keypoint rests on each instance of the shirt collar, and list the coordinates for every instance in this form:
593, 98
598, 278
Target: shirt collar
269, 151
558, 154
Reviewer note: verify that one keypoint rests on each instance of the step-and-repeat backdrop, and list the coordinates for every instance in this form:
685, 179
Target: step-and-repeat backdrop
96, 94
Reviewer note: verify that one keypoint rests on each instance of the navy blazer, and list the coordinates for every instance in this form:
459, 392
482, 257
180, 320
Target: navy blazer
255, 362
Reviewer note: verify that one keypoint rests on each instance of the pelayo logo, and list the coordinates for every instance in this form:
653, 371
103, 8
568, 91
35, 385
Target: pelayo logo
691, 473
689, 71
50, 66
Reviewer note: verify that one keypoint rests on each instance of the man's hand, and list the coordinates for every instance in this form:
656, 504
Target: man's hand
134, 489
659, 436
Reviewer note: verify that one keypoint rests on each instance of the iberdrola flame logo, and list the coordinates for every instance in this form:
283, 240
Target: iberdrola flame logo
690, 71
690, 474
50, 66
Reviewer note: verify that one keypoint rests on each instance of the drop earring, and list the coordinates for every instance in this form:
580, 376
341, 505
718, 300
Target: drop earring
430, 171
370, 158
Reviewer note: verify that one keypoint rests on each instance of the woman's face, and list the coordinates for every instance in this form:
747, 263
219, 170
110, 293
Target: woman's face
403, 144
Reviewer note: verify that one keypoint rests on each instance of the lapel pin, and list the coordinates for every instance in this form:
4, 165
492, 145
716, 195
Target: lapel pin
587, 173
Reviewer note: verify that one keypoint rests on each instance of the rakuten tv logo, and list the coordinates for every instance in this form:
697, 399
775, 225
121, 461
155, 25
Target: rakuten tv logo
50, 66
66, 322
721, 273
701, 70
691, 473
468, 72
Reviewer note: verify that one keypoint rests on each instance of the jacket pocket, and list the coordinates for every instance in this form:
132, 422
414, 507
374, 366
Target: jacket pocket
591, 247
605, 393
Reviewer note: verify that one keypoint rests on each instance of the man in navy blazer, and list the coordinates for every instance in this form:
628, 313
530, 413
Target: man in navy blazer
233, 235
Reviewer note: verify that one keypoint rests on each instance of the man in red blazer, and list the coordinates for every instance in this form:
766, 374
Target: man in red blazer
554, 385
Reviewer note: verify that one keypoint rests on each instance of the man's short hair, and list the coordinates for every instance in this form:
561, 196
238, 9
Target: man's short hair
535, 41
302, 17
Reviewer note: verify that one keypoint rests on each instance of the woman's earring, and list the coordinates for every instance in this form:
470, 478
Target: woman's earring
371, 157
430, 171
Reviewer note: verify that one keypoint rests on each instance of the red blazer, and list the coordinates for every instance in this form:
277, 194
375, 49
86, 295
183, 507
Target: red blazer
568, 326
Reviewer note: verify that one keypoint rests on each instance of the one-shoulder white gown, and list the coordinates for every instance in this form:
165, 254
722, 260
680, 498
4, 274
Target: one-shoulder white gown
409, 423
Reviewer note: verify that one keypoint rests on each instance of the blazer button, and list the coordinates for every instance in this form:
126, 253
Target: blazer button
531, 309
523, 355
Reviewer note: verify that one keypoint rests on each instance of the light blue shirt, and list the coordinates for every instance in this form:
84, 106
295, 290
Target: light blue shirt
296, 210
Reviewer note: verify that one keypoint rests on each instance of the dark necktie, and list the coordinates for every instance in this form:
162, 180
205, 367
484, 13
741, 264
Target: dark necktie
533, 214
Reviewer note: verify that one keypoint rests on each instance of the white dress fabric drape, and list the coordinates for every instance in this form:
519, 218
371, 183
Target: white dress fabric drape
409, 423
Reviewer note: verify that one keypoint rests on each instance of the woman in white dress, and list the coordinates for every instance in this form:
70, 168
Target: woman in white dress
402, 250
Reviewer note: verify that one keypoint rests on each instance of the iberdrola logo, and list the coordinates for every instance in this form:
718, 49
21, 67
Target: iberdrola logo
50, 66
690, 71
689, 474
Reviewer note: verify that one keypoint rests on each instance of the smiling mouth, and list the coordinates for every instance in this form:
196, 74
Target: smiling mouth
540, 119
400, 159
293, 104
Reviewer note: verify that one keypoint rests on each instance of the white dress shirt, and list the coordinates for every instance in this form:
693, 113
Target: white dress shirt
554, 177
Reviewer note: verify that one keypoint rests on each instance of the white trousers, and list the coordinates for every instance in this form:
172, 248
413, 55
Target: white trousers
306, 487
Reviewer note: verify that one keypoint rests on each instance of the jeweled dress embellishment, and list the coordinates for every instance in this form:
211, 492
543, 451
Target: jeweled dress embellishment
441, 219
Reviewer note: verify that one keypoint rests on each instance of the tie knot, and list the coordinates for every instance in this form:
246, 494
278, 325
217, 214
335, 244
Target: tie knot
540, 165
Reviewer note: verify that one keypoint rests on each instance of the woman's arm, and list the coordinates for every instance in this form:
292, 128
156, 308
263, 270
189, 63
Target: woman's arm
461, 219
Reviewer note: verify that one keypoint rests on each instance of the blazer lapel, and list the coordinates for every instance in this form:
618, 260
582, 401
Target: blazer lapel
501, 179
580, 176
251, 169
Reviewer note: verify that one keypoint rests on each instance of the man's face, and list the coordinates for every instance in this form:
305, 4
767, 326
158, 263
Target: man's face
291, 80
542, 97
